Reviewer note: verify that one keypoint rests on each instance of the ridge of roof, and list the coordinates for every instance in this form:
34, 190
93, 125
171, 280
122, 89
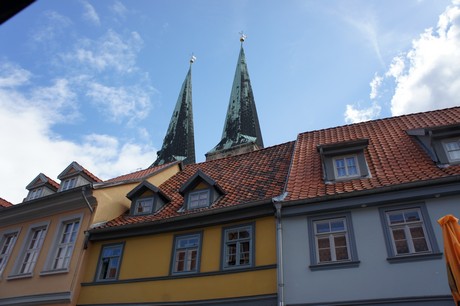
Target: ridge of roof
140, 174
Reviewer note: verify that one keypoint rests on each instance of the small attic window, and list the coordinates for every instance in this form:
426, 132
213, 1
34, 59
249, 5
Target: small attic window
35, 194
146, 199
344, 160
200, 191
143, 206
441, 143
68, 183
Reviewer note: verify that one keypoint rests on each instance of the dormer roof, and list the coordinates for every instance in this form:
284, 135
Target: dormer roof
42, 180
76, 169
198, 177
140, 189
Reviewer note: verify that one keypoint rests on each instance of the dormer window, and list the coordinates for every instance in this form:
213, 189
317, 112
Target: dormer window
143, 206
344, 160
198, 199
35, 194
452, 147
68, 183
146, 199
200, 191
346, 166
441, 143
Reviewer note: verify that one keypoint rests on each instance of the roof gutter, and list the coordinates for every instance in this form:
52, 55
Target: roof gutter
86, 199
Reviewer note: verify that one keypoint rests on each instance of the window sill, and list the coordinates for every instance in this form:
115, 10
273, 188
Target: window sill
19, 276
417, 257
52, 272
335, 265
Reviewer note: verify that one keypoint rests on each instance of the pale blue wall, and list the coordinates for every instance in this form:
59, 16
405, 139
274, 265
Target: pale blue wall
375, 277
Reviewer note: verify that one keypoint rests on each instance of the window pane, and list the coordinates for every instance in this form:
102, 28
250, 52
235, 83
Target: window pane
323, 243
411, 216
351, 166
325, 255
401, 247
238, 246
396, 218
340, 241
341, 253
420, 245
337, 226
323, 227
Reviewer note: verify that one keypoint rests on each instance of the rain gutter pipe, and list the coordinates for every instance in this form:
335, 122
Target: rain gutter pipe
279, 248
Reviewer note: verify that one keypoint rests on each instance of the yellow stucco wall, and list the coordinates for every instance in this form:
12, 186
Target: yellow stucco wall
62, 282
150, 256
112, 201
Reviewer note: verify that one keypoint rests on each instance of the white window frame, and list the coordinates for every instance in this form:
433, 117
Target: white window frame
7, 243
330, 236
69, 183
140, 203
30, 251
110, 261
344, 158
406, 227
238, 245
200, 202
60, 255
35, 193
187, 253
445, 144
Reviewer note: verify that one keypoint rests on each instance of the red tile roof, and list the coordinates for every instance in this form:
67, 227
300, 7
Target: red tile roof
92, 176
5, 203
246, 178
393, 156
140, 174
52, 182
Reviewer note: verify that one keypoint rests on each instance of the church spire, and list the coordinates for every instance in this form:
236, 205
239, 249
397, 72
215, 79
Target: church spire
241, 132
179, 142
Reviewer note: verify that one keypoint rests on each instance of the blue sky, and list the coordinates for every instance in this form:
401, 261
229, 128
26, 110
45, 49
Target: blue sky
96, 81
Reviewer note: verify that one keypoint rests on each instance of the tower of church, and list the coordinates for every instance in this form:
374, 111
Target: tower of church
179, 142
241, 132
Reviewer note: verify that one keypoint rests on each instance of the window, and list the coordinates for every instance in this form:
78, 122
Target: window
346, 166
109, 262
238, 247
198, 199
332, 242
6, 247
36, 193
31, 250
143, 206
408, 231
69, 183
452, 148
186, 253
344, 160
63, 249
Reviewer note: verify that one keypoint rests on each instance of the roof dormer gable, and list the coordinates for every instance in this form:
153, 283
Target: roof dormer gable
41, 186
200, 191
442, 143
344, 160
146, 198
75, 175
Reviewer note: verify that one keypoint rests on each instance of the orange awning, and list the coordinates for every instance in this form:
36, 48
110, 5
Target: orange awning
451, 237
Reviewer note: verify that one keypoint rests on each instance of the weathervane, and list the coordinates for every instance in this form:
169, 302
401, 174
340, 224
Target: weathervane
242, 37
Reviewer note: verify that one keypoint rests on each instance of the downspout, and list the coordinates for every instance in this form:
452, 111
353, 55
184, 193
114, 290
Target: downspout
279, 248
86, 199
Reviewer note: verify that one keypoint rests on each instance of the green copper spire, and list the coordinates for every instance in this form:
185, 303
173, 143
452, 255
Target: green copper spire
241, 123
179, 142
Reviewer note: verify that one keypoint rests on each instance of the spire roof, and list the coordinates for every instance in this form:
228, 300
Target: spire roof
179, 142
241, 123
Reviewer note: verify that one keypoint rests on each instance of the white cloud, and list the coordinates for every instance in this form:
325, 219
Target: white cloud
428, 76
120, 102
111, 51
353, 114
90, 13
32, 146
11, 75
53, 26
119, 9
375, 84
